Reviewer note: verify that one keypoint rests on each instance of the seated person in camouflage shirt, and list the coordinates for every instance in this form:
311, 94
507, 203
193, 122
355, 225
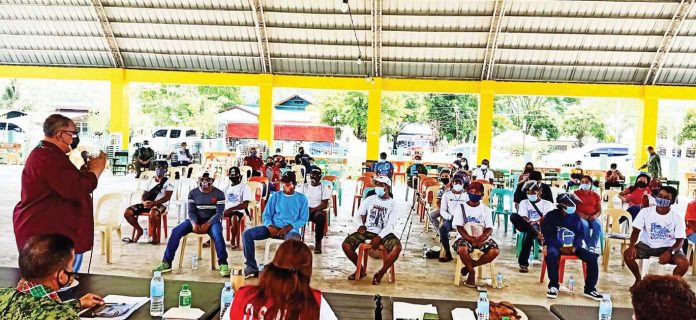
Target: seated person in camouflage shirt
46, 264
378, 221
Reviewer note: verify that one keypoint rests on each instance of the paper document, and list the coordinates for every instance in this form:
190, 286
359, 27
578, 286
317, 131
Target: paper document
132, 303
408, 311
463, 314
183, 314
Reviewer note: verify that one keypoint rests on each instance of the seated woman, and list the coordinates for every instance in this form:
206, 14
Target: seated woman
283, 291
634, 195
589, 210
524, 177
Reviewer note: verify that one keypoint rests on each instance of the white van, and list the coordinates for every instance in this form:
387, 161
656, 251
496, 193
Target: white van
165, 140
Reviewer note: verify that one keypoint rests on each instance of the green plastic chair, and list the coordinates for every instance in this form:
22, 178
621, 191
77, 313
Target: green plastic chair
499, 195
565, 176
632, 180
535, 253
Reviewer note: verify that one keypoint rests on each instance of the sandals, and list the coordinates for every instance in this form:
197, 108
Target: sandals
377, 278
524, 269
352, 276
127, 240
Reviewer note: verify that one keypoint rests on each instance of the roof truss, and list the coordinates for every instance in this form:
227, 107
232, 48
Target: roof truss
668, 40
261, 34
105, 27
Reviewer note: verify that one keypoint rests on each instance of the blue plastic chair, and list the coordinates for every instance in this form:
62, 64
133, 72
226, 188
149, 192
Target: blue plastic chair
499, 196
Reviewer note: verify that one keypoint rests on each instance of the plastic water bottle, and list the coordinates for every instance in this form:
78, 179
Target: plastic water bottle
145, 233
571, 284
194, 261
157, 295
425, 251
226, 298
499, 280
605, 307
185, 296
482, 307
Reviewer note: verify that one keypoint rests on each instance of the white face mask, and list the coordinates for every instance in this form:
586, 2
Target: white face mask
458, 187
484, 167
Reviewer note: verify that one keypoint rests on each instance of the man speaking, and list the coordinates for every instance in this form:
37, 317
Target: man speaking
55, 195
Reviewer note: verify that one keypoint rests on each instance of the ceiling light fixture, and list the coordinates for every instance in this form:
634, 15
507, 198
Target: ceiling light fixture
360, 60
344, 6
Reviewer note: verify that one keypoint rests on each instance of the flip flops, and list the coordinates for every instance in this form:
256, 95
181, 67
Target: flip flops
127, 240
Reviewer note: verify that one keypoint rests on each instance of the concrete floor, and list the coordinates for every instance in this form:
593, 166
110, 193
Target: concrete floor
416, 277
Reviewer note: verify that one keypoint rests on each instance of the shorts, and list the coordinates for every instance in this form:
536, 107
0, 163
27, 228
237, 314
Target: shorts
484, 247
139, 208
355, 239
643, 251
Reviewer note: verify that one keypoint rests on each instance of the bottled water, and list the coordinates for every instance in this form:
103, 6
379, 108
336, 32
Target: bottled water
157, 295
185, 296
145, 233
571, 284
226, 298
499, 281
482, 307
194, 261
425, 251
605, 307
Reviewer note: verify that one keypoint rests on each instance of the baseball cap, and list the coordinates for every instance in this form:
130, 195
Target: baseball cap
383, 179
289, 176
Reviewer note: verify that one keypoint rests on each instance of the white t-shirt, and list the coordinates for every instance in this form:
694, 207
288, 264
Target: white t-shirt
479, 214
381, 215
483, 174
450, 204
659, 231
315, 195
234, 195
525, 209
168, 186
181, 155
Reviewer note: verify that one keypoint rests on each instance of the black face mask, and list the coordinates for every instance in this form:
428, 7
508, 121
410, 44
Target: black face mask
67, 273
641, 184
75, 142
236, 179
315, 178
445, 180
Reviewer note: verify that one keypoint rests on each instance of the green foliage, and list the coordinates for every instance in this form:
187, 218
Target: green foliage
453, 116
501, 124
688, 132
581, 123
534, 115
194, 106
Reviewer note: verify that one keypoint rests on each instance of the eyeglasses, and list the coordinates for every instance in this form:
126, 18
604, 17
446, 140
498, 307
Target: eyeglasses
74, 133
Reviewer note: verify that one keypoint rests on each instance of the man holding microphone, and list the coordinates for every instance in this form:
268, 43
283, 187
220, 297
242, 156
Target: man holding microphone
55, 197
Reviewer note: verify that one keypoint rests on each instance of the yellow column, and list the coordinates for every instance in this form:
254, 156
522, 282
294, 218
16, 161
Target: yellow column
266, 110
484, 133
374, 114
646, 129
120, 110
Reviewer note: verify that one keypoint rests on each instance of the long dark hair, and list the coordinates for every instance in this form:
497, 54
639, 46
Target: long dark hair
634, 186
285, 282
527, 169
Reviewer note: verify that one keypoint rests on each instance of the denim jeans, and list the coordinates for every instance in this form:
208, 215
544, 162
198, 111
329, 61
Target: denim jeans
553, 256
445, 229
78, 262
259, 233
215, 233
595, 227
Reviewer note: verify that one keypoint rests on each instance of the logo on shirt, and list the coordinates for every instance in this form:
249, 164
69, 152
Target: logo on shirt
533, 214
377, 215
658, 232
233, 198
473, 219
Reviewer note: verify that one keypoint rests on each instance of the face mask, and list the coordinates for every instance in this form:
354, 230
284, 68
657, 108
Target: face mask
382, 160
484, 166
75, 142
160, 172
417, 162
532, 197
445, 180
253, 154
570, 210
641, 184
315, 178
67, 283
379, 191
662, 202
577, 166
301, 151
474, 197
236, 179
585, 186
458, 187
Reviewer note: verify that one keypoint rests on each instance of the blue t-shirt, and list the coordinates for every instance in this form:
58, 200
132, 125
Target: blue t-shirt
383, 168
282, 210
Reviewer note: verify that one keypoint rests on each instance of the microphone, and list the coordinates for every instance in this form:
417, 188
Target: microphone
85, 156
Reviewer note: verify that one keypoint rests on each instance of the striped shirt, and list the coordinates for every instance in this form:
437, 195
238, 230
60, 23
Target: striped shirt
203, 207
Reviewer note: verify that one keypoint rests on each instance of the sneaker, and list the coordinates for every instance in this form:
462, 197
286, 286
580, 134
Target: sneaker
552, 293
224, 270
250, 273
594, 295
162, 267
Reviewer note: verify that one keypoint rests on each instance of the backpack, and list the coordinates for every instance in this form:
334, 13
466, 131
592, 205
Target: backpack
566, 237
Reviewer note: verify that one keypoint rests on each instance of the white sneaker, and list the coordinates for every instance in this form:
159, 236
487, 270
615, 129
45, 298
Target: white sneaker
552, 293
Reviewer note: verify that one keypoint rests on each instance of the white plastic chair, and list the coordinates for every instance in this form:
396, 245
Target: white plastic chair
107, 219
200, 237
196, 170
645, 265
299, 173
179, 198
267, 252
246, 172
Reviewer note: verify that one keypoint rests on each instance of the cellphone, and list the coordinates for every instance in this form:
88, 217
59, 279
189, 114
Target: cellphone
107, 311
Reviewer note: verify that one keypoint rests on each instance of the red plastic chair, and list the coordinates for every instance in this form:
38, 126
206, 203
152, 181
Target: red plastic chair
561, 267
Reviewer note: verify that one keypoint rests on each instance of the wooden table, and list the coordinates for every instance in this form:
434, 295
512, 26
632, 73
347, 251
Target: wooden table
206, 295
568, 312
445, 307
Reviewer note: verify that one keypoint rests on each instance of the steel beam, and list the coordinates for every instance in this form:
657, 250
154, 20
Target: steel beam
261, 34
105, 27
668, 40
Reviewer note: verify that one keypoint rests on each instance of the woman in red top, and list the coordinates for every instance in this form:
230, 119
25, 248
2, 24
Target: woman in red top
589, 210
634, 195
283, 289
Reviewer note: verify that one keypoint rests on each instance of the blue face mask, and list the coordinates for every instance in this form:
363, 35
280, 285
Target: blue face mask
379, 191
585, 186
474, 197
662, 202
532, 197
570, 210
458, 187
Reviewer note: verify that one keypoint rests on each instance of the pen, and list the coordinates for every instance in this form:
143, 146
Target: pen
115, 304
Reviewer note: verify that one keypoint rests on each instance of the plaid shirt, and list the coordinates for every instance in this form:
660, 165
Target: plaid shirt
37, 290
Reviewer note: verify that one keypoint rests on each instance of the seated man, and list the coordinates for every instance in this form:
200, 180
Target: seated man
483, 172
143, 158
378, 221
445, 186
284, 215
183, 156
46, 265
564, 233
528, 218
613, 178
383, 167
662, 232
663, 298
237, 197
206, 205
575, 175
254, 161
416, 168
158, 191
451, 205
474, 224
318, 196
546, 193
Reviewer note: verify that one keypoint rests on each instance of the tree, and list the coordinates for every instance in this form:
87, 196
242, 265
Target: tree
534, 115
452, 116
581, 123
195, 106
10, 95
688, 132
501, 124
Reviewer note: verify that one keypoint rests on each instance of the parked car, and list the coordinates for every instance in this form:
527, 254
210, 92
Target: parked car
590, 156
165, 140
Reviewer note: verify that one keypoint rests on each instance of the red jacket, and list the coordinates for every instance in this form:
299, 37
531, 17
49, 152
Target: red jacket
241, 309
55, 199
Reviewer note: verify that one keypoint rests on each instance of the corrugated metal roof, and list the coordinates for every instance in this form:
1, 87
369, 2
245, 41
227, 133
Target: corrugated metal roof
542, 40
